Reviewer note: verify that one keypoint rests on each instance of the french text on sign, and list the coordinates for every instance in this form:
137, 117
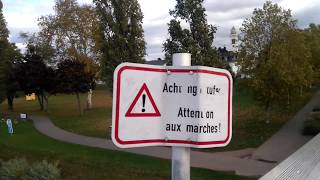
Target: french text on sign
153, 107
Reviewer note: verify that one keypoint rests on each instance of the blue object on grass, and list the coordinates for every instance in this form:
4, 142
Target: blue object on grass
10, 127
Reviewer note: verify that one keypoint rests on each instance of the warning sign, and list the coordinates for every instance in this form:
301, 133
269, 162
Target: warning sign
145, 109
171, 106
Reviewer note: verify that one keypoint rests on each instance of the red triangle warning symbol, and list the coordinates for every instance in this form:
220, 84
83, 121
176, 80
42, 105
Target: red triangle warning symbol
143, 94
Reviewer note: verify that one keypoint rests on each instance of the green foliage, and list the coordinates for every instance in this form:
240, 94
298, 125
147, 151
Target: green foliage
14, 169
9, 55
312, 124
80, 162
3, 46
121, 34
273, 56
197, 40
312, 35
34, 76
43, 171
315, 109
41, 46
74, 79
4, 33
19, 169
70, 33
14, 57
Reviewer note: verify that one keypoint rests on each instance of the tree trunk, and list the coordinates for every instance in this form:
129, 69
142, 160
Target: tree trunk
10, 102
288, 99
46, 103
79, 104
268, 113
42, 105
89, 99
40, 100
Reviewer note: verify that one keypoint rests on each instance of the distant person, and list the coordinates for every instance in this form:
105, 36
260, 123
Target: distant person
10, 127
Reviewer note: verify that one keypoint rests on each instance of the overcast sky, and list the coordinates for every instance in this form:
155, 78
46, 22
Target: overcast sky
22, 15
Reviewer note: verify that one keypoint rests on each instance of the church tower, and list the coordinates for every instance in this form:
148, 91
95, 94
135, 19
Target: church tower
234, 39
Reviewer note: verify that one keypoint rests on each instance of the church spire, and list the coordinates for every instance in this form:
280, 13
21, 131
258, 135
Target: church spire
234, 39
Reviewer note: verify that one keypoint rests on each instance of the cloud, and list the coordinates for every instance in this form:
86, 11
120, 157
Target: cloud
226, 14
308, 15
84, 1
25, 13
22, 16
15, 34
155, 35
155, 10
22, 47
231, 5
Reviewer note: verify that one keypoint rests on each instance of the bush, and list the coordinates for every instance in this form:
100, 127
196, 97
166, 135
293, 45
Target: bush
312, 124
19, 169
316, 109
43, 171
14, 169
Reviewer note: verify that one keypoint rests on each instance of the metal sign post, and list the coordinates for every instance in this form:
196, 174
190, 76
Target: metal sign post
182, 106
181, 155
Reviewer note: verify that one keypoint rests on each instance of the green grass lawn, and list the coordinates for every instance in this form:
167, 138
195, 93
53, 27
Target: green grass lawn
79, 162
63, 111
250, 127
95, 122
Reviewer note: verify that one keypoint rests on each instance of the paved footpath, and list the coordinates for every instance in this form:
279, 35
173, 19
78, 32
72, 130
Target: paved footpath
289, 138
277, 148
214, 161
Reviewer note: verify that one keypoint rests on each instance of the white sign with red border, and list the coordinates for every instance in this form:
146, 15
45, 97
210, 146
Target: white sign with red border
171, 106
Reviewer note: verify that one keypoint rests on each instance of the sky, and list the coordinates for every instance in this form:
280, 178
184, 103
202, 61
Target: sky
22, 16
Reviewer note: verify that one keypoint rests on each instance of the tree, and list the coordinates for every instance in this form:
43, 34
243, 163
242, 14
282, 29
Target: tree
34, 76
273, 56
9, 55
3, 45
197, 39
4, 34
14, 57
74, 79
72, 32
121, 34
312, 35
41, 46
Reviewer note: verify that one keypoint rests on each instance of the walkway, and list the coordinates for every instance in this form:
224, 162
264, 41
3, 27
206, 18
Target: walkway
273, 151
289, 138
213, 161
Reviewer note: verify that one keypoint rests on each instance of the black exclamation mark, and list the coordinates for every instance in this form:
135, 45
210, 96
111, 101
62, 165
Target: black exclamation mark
143, 102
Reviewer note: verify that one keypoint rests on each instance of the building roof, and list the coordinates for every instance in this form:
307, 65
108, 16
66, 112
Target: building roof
233, 30
159, 62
